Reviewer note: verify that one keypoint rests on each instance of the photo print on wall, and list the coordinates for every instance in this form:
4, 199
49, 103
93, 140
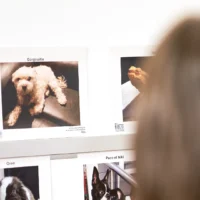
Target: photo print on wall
109, 175
43, 92
25, 178
40, 94
20, 182
109, 181
126, 85
133, 77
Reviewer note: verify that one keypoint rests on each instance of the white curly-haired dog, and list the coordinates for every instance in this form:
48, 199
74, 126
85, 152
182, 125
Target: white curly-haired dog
32, 85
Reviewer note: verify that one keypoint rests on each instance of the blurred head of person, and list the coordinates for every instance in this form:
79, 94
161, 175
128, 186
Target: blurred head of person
168, 137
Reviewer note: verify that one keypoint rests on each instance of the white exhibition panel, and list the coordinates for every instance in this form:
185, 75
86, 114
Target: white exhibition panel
56, 120
68, 145
106, 30
24, 168
67, 178
68, 173
51, 177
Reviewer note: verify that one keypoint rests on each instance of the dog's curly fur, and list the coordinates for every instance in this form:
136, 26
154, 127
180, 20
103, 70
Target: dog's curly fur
32, 85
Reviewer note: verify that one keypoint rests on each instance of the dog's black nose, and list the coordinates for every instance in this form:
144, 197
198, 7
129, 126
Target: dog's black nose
24, 87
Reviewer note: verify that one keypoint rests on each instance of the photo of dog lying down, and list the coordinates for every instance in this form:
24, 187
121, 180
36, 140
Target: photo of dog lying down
133, 78
36, 95
12, 188
32, 85
106, 184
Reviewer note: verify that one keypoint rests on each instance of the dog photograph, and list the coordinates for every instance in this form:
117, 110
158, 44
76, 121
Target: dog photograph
109, 181
21, 183
40, 94
133, 77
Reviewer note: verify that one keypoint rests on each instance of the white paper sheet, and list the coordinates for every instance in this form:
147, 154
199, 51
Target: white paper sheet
61, 121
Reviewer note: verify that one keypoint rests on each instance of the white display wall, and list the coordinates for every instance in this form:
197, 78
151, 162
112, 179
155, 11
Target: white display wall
88, 22
107, 30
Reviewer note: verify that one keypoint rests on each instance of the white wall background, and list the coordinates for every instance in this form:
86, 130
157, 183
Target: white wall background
88, 22
67, 179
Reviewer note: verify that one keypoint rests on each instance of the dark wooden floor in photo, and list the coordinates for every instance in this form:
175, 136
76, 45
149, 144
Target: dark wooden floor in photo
54, 114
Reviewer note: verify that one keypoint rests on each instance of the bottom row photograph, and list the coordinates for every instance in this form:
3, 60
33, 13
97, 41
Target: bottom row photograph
91, 176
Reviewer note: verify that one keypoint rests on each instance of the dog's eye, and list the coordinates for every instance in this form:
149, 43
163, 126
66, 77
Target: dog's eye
29, 78
17, 79
101, 192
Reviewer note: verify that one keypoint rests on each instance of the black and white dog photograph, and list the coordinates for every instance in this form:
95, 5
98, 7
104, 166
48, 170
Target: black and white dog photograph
133, 78
21, 183
40, 94
109, 181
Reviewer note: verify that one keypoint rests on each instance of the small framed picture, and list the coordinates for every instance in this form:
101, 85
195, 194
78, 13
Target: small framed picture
43, 92
25, 178
109, 175
128, 77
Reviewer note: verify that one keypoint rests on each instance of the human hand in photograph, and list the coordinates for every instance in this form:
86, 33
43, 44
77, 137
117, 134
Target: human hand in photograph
138, 77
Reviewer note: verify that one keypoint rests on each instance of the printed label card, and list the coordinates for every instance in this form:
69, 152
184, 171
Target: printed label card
128, 76
25, 178
44, 92
109, 175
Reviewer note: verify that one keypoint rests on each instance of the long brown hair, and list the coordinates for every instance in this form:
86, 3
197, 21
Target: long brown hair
168, 137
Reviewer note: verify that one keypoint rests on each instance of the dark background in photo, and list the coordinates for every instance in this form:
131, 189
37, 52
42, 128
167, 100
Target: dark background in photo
126, 188
126, 63
54, 114
128, 112
28, 175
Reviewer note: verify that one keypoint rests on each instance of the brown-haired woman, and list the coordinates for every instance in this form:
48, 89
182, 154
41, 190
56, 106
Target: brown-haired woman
168, 137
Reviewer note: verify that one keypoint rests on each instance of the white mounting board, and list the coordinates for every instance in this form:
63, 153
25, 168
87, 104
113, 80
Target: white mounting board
70, 145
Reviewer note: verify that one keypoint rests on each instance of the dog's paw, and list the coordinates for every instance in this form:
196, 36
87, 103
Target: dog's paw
11, 120
62, 100
35, 110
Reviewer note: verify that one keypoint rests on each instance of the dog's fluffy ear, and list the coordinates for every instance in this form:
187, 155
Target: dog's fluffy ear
119, 194
11, 191
13, 76
107, 175
95, 176
16, 191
